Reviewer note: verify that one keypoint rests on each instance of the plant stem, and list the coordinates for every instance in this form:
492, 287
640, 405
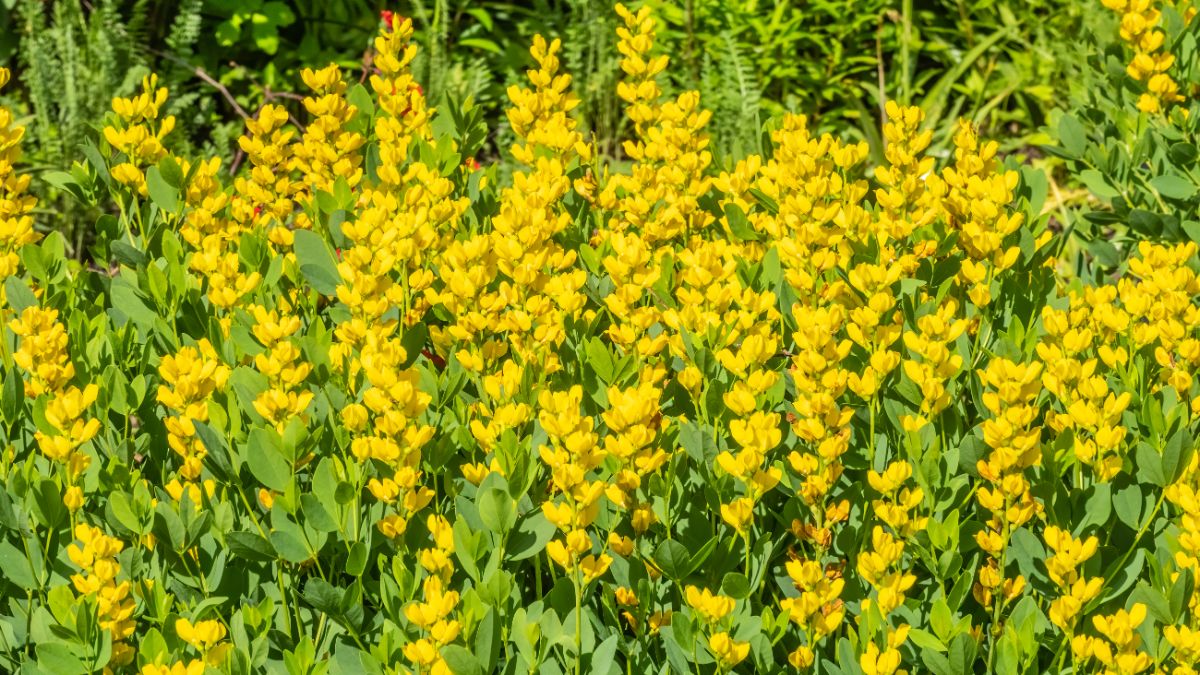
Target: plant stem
578, 579
905, 40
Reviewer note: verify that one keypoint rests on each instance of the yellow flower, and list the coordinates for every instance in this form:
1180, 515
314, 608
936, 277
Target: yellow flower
437, 604
73, 498
738, 514
625, 597
202, 635
710, 606
728, 652
193, 667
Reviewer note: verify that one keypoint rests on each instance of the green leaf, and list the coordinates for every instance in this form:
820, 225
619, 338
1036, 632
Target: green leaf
962, 654
227, 33
530, 537
60, 659
290, 546
590, 258
414, 339
127, 254
316, 515
1127, 502
251, 546
1072, 135
128, 304
739, 224
162, 194
496, 510
1173, 186
697, 442
266, 461
1155, 601
461, 661
1183, 153
316, 262
18, 294
481, 43
600, 359
153, 647
926, 640
935, 662
1149, 465
356, 559
360, 98
1098, 184
1097, 507
1181, 593
604, 657
736, 585
12, 396
122, 512
1177, 454
16, 566
323, 596
673, 558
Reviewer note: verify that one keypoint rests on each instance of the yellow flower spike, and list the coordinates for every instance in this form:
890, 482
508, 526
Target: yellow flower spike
710, 606
392, 526
1185, 641
593, 567
73, 498
438, 603
202, 635
875, 662
625, 597
738, 514
802, 658
474, 473
759, 433
727, 651
442, 532
193, 667
557, 551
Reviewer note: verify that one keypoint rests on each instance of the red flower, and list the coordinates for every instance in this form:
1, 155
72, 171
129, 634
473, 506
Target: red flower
391, 19
438, 362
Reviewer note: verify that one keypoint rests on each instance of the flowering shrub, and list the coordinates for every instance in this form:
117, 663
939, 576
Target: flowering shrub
369, 409
1133, 139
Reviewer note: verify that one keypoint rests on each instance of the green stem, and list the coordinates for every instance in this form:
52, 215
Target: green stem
287, 613
905, 65
578, 579
1137, 538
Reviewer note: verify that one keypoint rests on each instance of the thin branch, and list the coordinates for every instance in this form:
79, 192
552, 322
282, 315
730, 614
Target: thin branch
199, 72
237, 161
269, 96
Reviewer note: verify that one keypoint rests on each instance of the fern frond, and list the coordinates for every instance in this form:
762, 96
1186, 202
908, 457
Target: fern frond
185, 29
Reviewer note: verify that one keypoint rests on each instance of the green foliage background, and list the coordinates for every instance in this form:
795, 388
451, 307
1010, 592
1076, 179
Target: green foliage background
999, 62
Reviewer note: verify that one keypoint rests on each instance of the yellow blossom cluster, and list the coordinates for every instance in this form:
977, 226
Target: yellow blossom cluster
1014, 445
16, 223
189, 379
137, 134
822, 405
1151, 62
95, 556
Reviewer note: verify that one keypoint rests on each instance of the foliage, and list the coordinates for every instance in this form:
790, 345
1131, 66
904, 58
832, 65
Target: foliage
989, 60
1131, 140
805, 402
